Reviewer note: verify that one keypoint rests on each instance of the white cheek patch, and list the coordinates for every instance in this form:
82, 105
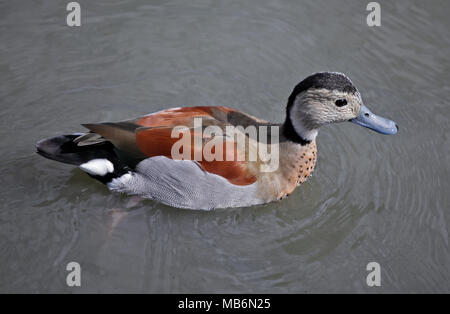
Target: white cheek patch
303, 132
97, 167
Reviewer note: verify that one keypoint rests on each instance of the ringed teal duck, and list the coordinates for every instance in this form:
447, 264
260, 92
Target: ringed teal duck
137, 156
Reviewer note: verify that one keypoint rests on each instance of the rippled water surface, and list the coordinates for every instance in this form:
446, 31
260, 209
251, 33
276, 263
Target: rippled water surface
372, 197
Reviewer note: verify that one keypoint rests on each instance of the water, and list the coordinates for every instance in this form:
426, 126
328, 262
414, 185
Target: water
372, 197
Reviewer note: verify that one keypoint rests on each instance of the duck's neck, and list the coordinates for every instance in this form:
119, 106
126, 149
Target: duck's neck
294, 130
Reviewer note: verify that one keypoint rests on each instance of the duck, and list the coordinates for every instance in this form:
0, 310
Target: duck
209, 157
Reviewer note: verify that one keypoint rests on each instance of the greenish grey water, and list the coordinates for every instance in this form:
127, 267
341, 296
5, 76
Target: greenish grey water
372, 197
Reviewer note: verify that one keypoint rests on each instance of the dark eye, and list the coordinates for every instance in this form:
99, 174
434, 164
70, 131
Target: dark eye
341, 102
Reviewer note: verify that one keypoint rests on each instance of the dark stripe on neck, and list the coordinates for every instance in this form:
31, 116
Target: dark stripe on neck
290, 133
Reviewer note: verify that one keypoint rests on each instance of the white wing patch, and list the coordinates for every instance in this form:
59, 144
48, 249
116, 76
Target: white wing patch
98, 167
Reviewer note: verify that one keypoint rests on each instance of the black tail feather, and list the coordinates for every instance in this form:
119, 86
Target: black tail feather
63, 149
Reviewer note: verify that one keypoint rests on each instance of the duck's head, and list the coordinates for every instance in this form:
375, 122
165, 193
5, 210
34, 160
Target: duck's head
329, 97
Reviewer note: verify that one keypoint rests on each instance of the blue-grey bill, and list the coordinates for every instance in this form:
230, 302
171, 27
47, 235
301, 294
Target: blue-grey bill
379, 124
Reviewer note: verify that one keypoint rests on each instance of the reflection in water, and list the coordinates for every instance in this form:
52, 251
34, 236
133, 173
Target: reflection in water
372, 198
